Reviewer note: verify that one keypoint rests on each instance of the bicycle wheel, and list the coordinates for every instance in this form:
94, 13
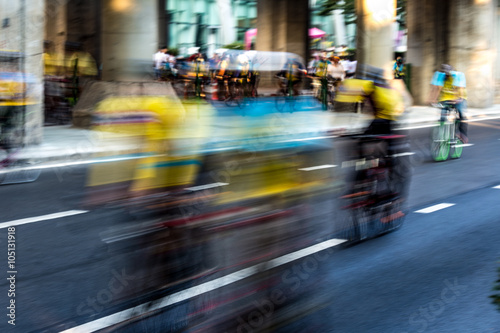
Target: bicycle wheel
388, 217
440, 148
456, 147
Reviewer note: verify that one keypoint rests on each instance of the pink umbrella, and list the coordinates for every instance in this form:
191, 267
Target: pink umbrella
249, 34
316, 33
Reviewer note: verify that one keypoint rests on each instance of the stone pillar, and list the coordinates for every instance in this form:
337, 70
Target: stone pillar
375, 32
129, 39
460, 33
24, 32
424, 50
34, 13
56, 31
473, 48
282, 25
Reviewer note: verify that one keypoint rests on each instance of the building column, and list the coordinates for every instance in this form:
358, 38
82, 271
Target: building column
473, 48
129, 39
23, 31
375, 32
282, 25
459, 33
425, 52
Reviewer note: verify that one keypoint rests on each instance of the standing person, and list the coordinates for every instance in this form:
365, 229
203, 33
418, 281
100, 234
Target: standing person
160, 58
448, 88
399, 68
350, 67
336, 71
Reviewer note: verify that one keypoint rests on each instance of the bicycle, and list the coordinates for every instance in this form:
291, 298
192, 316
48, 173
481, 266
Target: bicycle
285, 95
234, 93
445, 138
375, 202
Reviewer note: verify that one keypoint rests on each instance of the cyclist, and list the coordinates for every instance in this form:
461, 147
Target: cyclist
399, 68
292, 71
448, 88
336, 71
370, 85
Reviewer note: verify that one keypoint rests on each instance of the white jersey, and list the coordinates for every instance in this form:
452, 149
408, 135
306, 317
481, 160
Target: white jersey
336, 71
159, 59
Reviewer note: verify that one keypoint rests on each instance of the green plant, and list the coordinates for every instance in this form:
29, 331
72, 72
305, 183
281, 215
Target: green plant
173, 51
235, 46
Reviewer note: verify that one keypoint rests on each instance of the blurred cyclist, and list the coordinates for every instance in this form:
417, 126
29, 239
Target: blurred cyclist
336, 71
292, 71
399, 68
370, 86
448, 88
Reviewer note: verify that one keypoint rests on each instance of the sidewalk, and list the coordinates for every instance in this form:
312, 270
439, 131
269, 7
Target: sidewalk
65, 144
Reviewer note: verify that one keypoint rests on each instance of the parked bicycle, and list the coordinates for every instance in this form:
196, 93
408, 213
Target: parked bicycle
445, 141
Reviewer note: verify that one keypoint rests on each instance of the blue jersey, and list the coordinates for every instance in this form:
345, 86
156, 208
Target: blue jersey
458, 79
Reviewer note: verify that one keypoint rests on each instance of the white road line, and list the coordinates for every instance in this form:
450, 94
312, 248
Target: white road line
464, 145
416, 127
74, 163
434, 208
481, 119
183, 295
206, 186
41, 218
404, 154
318, 167
497, 187
309, 139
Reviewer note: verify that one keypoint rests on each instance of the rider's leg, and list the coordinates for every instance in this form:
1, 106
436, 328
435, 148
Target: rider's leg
462, 125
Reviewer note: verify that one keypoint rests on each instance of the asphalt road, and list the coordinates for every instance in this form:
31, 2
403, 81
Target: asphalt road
433, 275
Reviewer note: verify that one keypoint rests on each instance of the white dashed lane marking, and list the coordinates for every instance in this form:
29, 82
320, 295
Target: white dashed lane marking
41, 218
318, 167
497, 187
185, 294
434, 208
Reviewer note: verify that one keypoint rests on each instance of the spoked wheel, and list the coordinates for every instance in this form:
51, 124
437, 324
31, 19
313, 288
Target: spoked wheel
456, 148
233, 98
387, 217
440, 148
355, 226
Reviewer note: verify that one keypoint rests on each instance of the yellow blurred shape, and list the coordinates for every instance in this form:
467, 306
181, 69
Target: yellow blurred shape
169, 133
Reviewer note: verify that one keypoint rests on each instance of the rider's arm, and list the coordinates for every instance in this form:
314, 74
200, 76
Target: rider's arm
436, 86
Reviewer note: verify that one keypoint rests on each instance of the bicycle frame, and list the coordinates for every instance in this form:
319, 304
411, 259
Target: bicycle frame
444, 136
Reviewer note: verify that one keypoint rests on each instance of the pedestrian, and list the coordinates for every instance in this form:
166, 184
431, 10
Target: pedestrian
160, 58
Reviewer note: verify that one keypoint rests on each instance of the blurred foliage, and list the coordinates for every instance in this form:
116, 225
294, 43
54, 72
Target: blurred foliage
496, 288
234, 46
349, 10
173, 51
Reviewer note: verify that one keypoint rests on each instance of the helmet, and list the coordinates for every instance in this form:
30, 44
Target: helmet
445, 68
